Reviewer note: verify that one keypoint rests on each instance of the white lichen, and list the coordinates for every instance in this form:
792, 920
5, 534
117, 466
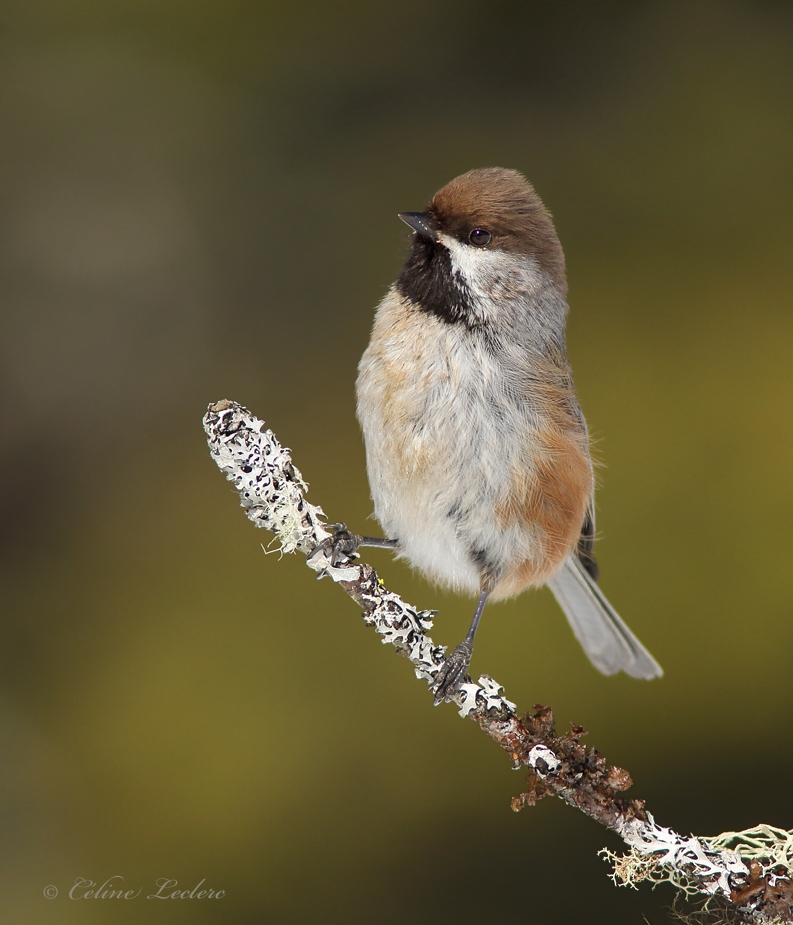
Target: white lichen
541, 753
272, 493
713, 865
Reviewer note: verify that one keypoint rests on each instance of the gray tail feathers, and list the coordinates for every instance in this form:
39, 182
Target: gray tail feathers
608, 642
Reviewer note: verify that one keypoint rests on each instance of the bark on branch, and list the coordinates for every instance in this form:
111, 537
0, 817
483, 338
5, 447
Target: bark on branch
748, 871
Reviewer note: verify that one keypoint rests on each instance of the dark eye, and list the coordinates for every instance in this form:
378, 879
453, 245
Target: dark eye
480, 238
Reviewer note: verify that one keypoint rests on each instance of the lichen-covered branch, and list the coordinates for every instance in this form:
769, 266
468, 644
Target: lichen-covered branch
749, 870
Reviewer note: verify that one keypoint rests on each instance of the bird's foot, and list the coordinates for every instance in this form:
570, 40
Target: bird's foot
339, 549
453, 672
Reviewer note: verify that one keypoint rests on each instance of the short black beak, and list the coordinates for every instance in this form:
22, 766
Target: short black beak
420, 223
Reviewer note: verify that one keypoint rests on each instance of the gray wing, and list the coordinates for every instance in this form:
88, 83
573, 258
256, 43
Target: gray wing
608, 642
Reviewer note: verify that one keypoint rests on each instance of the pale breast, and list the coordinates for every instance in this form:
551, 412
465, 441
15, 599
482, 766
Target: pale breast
484, 480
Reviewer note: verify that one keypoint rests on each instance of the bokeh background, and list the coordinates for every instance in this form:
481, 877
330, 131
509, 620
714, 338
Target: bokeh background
198, 201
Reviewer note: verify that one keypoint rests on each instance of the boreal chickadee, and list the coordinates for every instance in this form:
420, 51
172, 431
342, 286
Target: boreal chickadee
476, 449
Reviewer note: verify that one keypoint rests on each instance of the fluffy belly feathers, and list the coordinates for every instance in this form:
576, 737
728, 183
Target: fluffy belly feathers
482, 487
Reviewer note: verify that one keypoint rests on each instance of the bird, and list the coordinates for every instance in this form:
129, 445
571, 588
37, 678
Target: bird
477, 451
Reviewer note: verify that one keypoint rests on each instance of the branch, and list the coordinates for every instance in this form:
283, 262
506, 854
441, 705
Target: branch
749, 871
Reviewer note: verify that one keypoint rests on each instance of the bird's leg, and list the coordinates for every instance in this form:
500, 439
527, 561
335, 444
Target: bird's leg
342, 546
454, 670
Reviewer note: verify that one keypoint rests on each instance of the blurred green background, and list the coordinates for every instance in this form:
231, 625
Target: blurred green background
198, 201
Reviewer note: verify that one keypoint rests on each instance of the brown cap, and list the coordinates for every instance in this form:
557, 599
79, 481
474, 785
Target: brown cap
504, 203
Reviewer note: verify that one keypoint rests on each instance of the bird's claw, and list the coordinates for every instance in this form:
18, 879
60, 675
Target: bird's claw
452, 673
340, 548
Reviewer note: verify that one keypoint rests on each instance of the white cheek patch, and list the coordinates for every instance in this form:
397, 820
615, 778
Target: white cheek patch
492, 275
